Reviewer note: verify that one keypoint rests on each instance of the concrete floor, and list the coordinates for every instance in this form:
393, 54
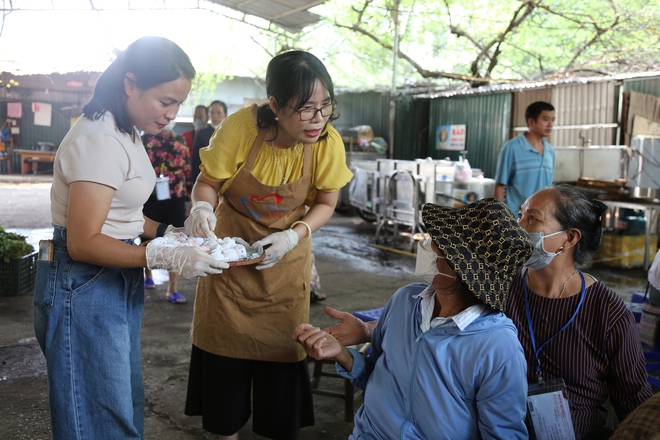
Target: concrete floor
356, 274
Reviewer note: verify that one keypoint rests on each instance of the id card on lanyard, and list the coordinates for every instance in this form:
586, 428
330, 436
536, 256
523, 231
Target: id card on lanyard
549, 411
548, 407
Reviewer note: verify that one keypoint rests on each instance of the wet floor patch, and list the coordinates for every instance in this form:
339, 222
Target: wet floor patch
357, 246
624, 282
21, 359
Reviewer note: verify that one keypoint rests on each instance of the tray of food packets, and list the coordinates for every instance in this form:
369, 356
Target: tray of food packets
233, 250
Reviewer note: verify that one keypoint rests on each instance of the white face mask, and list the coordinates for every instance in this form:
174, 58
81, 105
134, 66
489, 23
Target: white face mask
540, 257
198, 125
425, 265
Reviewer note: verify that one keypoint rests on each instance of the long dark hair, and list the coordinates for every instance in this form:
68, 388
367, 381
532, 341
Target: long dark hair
291, 76
576, 208
153, 61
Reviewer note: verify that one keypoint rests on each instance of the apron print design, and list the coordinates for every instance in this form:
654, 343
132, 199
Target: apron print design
272, 210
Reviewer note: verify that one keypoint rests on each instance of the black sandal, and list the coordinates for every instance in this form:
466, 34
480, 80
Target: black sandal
315, 297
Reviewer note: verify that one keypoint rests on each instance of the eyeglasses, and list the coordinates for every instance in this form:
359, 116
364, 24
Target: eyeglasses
307, 114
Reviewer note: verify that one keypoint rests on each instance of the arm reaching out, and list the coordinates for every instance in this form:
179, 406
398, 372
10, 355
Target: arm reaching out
350, 330
320, 345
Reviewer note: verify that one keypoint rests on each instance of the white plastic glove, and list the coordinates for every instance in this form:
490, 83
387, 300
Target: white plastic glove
281, 243
186, 261
201, 221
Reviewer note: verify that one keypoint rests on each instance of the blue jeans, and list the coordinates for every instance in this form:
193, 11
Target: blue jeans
87, 321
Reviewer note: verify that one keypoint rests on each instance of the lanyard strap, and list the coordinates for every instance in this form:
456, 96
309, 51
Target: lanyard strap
531, 328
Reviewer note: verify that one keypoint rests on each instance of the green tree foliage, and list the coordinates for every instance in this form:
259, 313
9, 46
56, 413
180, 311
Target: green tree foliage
479, 41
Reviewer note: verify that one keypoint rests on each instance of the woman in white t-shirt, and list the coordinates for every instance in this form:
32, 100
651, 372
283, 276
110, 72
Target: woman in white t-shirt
89, 293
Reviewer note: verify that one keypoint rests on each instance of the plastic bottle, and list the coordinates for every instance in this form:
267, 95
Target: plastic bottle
462, 170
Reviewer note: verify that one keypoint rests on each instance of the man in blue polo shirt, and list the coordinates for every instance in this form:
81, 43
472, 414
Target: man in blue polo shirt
526, 163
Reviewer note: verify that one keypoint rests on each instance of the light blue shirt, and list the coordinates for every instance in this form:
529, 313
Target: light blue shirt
444, 383
523, 170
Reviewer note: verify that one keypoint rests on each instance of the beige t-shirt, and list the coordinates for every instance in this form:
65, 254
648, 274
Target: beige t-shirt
96, 151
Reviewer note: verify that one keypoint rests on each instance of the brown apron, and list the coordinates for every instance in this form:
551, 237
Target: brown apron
246, 313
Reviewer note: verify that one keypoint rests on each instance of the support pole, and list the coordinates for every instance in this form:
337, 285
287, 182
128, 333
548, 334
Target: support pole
395, 56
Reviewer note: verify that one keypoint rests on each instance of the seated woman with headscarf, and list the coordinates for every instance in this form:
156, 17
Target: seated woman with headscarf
571, 326
445, 361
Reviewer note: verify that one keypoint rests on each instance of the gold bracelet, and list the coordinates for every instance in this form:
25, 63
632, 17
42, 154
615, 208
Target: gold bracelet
309, 230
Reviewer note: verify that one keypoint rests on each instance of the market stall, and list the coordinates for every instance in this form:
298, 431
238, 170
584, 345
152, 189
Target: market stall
392, 192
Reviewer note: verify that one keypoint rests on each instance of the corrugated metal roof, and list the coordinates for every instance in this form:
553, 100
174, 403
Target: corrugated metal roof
291, 15
527, 85
288, 14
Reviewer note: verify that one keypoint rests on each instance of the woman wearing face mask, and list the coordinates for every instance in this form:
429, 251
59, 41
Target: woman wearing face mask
200, 121
445, 361
582, 331
570, 324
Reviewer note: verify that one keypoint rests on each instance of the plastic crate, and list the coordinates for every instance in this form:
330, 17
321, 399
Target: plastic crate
17, 276
625, 251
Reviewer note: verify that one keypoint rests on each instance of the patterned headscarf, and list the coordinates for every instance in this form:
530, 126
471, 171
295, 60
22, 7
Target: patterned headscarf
483, 243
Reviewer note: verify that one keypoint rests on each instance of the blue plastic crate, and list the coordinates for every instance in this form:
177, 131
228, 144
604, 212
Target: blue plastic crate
638, 297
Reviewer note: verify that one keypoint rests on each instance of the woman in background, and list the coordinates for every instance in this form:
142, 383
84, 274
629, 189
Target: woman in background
170, 158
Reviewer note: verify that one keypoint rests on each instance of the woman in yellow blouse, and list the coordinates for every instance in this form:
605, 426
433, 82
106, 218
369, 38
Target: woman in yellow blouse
274, 172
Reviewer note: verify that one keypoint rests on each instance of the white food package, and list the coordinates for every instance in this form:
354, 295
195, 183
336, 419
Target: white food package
227, 249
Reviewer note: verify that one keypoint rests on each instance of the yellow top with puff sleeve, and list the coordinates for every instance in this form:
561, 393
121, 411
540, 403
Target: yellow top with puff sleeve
230, 145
